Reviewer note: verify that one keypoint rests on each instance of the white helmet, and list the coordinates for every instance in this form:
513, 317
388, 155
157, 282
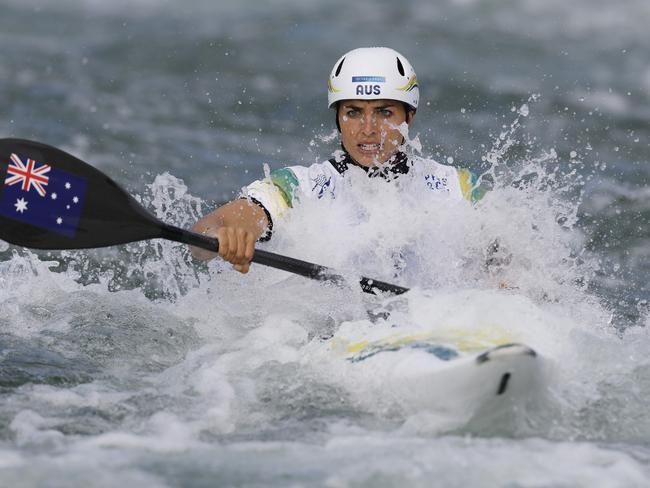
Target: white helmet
372, 73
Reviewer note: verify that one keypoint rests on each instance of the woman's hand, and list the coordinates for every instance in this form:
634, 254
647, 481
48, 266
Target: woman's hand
236, 245
237, 225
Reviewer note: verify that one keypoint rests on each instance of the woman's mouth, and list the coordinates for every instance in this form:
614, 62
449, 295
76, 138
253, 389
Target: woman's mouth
369, 148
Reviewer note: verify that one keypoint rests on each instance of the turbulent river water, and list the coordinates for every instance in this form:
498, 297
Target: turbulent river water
137, 366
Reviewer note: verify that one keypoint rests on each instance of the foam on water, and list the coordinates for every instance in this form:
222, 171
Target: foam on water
155, 355
358, 459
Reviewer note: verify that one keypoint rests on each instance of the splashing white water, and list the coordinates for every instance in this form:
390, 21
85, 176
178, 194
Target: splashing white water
219, 354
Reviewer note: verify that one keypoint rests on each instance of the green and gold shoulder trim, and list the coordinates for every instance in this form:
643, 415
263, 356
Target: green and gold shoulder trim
286, 182
469, 185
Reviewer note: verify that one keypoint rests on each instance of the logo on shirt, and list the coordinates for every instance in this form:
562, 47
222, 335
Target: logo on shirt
435, 183
321, 182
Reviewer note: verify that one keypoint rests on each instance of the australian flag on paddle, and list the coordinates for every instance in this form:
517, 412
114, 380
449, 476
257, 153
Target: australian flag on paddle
38, 194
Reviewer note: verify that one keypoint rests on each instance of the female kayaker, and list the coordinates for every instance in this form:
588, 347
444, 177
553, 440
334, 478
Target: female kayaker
375, 94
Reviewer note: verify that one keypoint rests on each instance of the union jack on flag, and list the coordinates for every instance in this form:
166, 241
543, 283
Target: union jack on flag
29, 175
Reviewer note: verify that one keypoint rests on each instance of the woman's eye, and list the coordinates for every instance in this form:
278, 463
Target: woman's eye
352, 113
386, 113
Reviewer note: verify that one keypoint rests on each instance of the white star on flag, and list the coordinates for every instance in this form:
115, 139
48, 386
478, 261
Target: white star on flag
40, 196
21, 205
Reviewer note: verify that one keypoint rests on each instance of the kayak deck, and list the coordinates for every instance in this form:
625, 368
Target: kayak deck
427, 373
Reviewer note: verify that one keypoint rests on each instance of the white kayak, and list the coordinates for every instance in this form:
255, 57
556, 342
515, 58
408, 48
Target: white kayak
457, 377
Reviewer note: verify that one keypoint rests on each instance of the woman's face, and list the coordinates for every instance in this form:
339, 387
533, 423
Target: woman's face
370, 129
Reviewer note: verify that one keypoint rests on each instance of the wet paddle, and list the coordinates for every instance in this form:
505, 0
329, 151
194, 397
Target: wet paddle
52, 200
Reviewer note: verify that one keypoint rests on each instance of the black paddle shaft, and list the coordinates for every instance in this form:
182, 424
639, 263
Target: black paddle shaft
285, 263
49, 199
